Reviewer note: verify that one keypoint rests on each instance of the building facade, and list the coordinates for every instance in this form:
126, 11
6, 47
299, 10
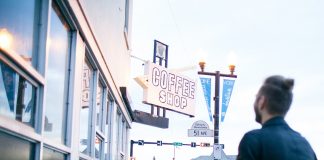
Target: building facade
64, 71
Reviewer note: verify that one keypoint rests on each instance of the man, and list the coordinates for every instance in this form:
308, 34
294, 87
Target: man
275, 140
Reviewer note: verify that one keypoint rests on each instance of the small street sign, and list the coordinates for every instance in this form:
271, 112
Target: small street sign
177, 143
200, 129
141, 142
159, 143
204, 144
217, 151
200, 133
193, 144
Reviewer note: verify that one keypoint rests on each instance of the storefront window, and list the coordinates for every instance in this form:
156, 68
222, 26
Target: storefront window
17, 96
15, 148
87, 88
99, 107
49, 154
57, 77
18, 27
98, 148
110, 105
119, 134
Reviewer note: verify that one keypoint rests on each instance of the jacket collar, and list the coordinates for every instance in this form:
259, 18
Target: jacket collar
278, 120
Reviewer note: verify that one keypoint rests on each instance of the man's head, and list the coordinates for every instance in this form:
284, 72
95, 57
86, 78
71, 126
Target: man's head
274, 98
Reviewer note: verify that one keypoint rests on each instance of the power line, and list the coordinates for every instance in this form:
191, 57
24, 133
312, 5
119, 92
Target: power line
177, 27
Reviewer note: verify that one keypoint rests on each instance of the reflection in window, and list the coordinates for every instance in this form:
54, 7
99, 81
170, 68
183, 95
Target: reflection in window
110, 105
87, 88
56, 78
118, 133
99, 106
124, 137
49, 154
11, 144
18, 26
98, 148
17, 96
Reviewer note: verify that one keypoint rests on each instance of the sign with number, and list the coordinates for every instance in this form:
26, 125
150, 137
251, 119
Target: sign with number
217, 151
200, 129
200, 133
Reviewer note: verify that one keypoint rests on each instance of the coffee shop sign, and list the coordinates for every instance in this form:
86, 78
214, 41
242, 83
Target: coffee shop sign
169, 90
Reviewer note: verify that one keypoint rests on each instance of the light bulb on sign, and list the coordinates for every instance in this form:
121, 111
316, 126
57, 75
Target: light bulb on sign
231, 61
202, 57
5, 39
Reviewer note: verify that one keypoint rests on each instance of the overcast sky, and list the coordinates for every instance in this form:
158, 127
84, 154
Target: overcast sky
266, 37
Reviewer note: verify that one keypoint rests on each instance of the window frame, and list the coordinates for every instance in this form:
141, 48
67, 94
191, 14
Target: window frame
59, 10
72, 49
92, 128
8, 123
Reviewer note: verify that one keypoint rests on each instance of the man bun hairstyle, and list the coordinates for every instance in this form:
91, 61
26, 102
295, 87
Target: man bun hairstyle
278, 92
288, 84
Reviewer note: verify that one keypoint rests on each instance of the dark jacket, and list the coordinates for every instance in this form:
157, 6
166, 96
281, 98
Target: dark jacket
275, 141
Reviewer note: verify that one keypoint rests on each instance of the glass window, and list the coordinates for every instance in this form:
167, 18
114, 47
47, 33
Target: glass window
87, 88
17, 96
18, 27
123, 136
110, 105
98, 148
99, 106
119, 134
57, 77
11, 144
49, 154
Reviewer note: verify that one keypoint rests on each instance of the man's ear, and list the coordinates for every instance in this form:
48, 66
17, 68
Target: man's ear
262, 102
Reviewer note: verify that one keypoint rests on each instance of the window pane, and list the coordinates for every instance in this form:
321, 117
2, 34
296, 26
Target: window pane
49, 154
17, 26
98, 148
11, 144
56, 78
110, 105
85, 108
123, 136
119, 134
17, 96
99, 107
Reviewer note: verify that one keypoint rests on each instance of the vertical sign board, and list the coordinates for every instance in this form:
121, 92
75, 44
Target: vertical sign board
169, 90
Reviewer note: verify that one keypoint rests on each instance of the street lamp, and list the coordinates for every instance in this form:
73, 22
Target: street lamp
217, 76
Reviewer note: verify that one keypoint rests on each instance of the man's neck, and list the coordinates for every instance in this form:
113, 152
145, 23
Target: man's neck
266, 117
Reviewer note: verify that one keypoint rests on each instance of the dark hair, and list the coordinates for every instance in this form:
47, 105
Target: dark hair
278, 92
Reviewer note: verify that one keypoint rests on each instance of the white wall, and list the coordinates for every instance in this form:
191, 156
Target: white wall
106, 19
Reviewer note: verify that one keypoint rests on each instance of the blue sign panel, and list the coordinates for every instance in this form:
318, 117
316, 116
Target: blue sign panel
206, 85
227, 92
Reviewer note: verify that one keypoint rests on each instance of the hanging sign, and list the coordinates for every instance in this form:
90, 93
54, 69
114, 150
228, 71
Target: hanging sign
169, 90
227, 92
206, 86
